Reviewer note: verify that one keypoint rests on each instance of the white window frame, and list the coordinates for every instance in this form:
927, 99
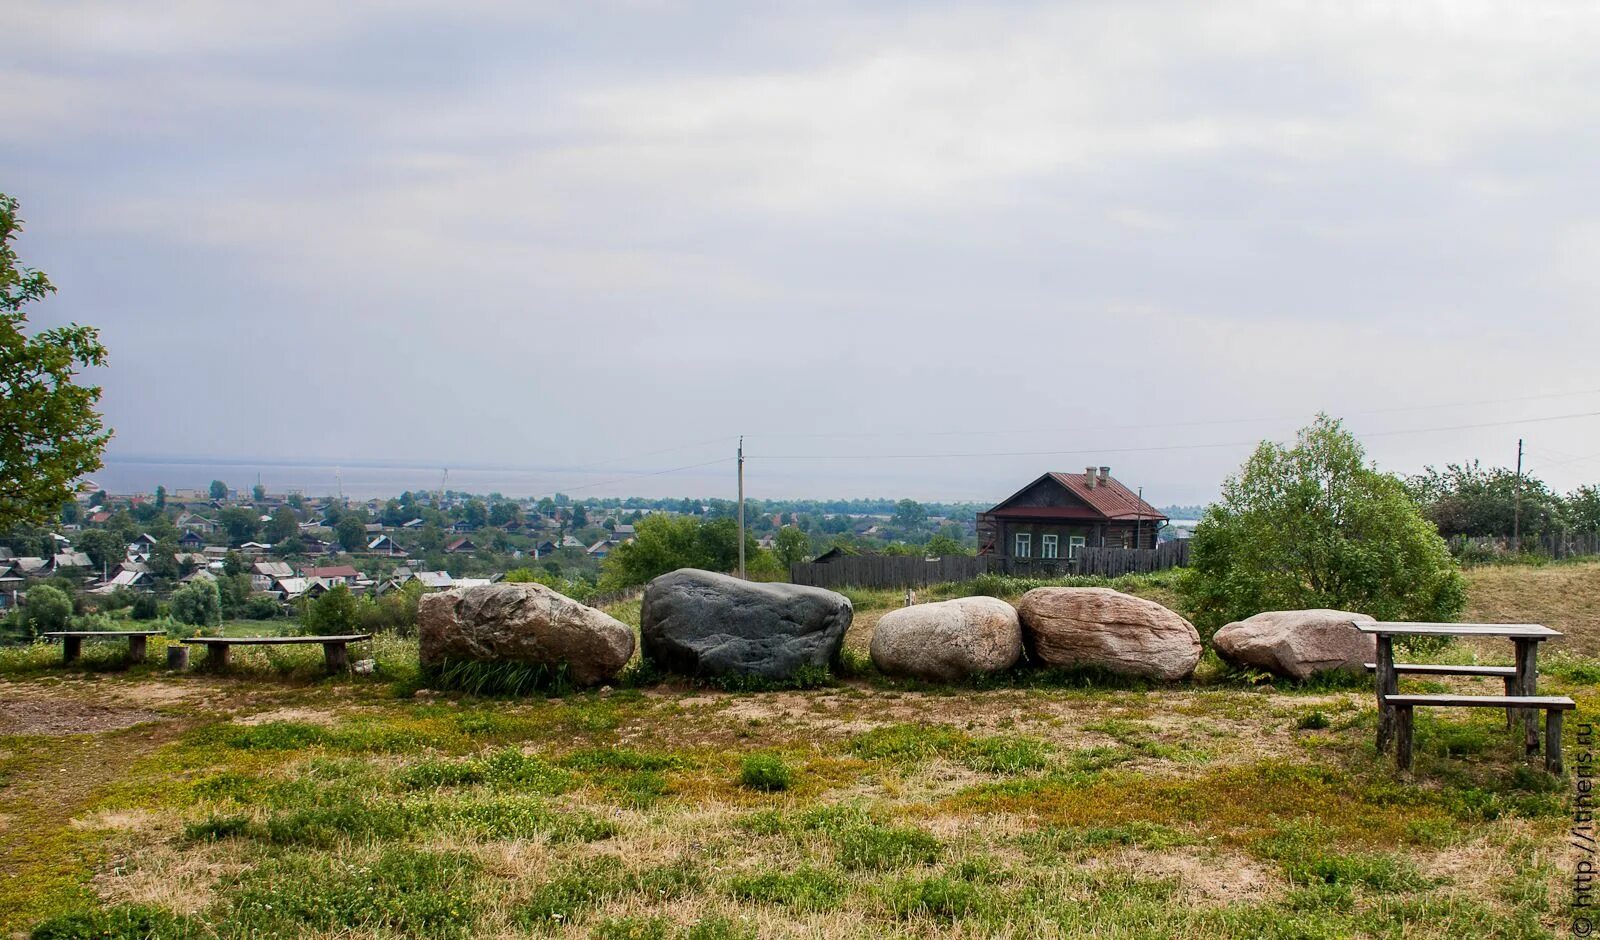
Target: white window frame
1049, 546
1075, 542
1022, 545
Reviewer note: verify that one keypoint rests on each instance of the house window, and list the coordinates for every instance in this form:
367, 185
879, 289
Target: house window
1047, 546
1074, 542
1024, 544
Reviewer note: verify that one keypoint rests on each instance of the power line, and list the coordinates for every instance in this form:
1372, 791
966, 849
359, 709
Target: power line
1154, 448
651, 473
1165, 424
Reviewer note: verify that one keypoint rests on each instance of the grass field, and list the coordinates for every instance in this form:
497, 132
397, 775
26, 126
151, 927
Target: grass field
273, 802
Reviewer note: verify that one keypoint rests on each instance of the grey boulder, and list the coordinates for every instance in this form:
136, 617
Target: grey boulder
1110, 630
1298, 643
948, 641
522, 623
699, 623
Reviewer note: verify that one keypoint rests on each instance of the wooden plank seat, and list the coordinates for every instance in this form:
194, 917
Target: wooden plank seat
1508, 674
334, 648
1552, 705
72, 641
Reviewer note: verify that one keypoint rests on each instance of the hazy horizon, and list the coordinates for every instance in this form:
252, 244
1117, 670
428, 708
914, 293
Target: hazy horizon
923, 250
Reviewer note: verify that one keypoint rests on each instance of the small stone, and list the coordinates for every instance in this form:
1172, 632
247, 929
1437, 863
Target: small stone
605, 691
364, 667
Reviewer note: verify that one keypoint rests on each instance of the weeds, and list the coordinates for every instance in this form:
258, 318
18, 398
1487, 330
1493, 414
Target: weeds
766, 772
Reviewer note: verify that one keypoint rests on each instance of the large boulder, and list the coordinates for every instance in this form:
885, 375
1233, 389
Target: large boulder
1108, 629
522, 623
699, 623
1298, 643
948, 641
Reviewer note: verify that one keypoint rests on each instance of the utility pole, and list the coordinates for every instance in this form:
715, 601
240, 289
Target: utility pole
1516, 504
1138, 521
741, 506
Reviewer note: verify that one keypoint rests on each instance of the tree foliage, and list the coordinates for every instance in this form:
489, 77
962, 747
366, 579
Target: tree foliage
1472, 500
50, 430
1313, 525
48, 608
666, 543
197, 603
352, 531
791, 546
336, 612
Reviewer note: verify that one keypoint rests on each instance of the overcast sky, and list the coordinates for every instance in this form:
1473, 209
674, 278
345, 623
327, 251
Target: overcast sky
588, 242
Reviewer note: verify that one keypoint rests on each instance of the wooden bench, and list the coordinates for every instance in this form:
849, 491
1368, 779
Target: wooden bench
334, 648
72, 641
1506, 673
1552, 705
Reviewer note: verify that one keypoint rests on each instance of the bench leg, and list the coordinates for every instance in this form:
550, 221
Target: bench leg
71, 648
1388, 684
338, 656
217, 656
138, 649
1511, 713
1527, 684
1552, 741
1402, 737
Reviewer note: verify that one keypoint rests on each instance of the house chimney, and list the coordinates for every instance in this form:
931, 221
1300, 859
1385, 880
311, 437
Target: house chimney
1105, 472
1088, 476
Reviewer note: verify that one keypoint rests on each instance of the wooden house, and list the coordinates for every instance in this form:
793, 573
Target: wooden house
1055, 515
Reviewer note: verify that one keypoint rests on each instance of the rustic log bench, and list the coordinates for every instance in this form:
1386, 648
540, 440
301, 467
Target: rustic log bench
1553, 706
1506, 673
72, 641
334, 648
1525, 637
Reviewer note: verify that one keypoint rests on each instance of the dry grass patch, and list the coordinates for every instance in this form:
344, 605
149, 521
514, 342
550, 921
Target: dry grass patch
1563, 597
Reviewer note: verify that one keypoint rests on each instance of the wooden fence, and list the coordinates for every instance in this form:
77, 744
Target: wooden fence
889, 571
909, 571
1116, 562
1555, 545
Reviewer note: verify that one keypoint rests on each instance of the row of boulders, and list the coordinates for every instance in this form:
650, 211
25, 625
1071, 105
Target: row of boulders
699, 623
1052, 626
1106, 629
695, 623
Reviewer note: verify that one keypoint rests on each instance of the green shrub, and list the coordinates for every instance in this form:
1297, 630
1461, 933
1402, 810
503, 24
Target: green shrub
46, 609
198, 604
1313, 525
145, 607
1312, 721
261, 607
766, 772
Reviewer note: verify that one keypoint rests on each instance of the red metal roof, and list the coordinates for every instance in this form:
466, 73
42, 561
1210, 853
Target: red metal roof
1107, 499
1111, 498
